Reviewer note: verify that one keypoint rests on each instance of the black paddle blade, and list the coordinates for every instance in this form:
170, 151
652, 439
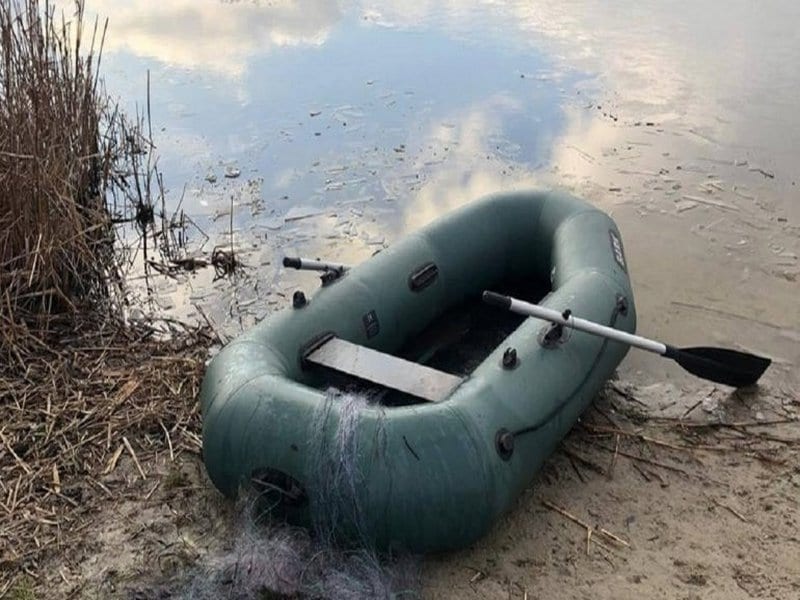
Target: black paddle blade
728, 367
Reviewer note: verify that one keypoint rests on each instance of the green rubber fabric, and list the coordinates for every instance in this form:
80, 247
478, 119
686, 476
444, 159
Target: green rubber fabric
429, 476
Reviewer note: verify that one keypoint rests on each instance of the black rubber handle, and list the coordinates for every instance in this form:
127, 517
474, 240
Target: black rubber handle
290, 262
497, 300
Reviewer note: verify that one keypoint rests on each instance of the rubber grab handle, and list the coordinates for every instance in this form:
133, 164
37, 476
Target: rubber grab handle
293, 263
497, 300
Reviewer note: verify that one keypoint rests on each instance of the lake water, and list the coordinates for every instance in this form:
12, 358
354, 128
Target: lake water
350, 123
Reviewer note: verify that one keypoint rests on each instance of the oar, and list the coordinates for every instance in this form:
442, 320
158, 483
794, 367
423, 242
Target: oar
722, 365
308, 264
330, 271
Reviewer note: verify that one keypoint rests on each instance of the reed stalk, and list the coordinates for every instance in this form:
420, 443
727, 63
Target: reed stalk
63, 144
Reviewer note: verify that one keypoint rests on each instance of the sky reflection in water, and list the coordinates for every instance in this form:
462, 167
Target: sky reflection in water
420, 107
392, 107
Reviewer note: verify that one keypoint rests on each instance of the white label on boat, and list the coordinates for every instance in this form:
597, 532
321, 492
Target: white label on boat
616, 249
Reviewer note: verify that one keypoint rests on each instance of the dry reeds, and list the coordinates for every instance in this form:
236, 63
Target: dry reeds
99, 397
57, 151
77, 383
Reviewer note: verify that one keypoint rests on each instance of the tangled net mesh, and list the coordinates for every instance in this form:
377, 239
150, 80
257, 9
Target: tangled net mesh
270, 559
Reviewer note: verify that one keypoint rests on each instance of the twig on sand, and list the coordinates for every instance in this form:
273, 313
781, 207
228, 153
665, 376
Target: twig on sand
661, 481
572, 518
726, 313
479, 575
621, 432
710, 202
730, 509
648, 461
576, 469
565, 513
592, 466
641, 472
523, 590
769, 437
656, 463
614, 458
129, 448
112, 462
734, 424
742, 428
616, 538
152, 491
691, 409
626, 394
169, 442
220, 336
589, 529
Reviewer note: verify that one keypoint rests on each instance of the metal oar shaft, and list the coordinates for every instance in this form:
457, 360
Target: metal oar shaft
307, 264
548, 314
721, 365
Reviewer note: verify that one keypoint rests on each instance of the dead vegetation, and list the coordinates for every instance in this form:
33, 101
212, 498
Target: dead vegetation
101, 394
80, 385
57, 156
81, 199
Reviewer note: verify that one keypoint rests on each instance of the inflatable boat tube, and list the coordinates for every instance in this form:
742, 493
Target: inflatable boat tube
423, 475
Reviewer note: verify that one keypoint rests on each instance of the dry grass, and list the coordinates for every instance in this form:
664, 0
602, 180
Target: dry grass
61, 143
95, 398
79, 387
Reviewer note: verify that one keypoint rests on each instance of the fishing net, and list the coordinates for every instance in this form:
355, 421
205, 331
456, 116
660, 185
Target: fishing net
270, 559
335, 479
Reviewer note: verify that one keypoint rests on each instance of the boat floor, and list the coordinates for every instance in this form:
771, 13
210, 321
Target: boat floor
456, 343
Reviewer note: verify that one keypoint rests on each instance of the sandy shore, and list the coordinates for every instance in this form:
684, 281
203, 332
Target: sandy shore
660, 491
704, 512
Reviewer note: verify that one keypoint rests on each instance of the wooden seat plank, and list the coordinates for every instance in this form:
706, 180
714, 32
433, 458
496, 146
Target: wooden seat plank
385, 369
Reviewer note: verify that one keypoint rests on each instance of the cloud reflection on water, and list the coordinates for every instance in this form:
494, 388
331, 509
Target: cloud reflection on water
219, 37
482, 158
718, 79
727, 69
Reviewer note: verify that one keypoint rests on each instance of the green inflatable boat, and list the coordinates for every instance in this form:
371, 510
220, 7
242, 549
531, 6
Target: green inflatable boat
395, 409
